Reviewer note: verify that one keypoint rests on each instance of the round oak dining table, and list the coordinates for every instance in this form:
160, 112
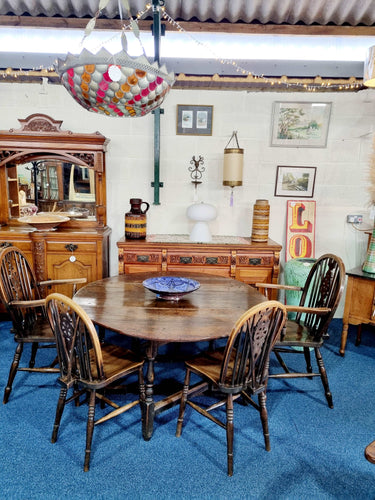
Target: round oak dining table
122, 304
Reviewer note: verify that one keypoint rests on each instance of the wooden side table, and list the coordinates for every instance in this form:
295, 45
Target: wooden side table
229, 256
359, 304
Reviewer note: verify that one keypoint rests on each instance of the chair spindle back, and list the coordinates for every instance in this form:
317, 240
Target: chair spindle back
246, 357
18, 283
78, 346
323, 288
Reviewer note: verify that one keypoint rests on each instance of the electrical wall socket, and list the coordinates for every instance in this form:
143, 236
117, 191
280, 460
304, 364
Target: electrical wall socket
354, 219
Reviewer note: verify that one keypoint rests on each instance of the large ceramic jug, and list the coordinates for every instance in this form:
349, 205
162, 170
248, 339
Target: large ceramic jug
136, 220
296, 272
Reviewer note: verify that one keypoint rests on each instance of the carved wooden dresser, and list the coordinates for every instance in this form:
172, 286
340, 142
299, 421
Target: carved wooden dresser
235, 257
75, 164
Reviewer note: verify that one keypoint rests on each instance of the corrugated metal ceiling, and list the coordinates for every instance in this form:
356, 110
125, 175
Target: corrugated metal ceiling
318, 18
308, 12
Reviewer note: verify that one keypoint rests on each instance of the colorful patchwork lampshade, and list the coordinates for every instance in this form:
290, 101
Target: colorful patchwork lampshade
115, 85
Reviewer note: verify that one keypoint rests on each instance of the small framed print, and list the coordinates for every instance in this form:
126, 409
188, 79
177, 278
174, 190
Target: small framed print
194, 120
300, 124
295, 181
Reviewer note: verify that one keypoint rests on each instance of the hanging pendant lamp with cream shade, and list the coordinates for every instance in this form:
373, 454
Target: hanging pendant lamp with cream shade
233, 165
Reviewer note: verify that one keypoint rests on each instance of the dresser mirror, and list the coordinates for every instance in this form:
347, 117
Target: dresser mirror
46, 169
52, 185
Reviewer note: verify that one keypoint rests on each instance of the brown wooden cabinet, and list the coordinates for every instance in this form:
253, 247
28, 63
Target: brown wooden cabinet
80, 246
69, 253
359, 304
234, 257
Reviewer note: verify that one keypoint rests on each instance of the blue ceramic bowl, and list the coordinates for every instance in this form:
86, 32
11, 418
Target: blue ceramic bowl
171, 287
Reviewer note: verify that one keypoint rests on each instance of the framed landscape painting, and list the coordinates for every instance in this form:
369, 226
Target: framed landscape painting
300, 124
295, 181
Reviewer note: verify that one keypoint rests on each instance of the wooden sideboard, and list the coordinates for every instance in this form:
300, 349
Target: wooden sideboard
359, 304
57, 170
235, 257
73, 253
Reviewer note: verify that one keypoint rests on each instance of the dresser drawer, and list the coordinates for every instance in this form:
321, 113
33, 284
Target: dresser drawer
253, 260
24, 246
214, 259
73, 246
142, 258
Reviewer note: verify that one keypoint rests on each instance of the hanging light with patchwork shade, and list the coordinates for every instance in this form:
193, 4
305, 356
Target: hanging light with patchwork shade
129, 87
115, 84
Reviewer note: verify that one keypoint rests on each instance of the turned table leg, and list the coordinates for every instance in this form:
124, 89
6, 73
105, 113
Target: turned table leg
344, 337
148, 405
345, 319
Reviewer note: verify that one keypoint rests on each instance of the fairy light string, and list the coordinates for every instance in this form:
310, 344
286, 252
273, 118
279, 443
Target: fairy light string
132, 25
283, 81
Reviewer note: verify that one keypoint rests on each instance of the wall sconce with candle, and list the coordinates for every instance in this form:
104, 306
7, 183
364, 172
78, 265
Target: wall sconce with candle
233, 165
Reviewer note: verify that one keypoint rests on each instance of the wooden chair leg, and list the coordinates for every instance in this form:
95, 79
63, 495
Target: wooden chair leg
184, 396
306, 353
59, 412
34, 350
281, 361
323, 376
54, 363
89, 430
229, 429
101, 334
359, 335
13, 371
262, 398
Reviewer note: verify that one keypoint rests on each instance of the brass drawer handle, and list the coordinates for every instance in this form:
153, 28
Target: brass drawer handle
71, 247
186, 260
143, 258
255, 262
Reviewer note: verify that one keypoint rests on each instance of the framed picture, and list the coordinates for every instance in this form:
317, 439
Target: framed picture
194, 120
300, 124
295, 181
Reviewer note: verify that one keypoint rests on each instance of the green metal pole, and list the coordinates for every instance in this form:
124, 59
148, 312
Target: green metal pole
157, 112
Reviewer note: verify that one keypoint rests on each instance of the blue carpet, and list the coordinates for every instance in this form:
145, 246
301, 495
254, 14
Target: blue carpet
316, 452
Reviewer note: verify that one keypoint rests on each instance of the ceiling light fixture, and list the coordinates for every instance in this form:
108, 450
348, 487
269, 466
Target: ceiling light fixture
115, 84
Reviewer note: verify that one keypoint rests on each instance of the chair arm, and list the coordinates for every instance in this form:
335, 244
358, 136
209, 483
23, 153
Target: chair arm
278, 287
27, 303
310, 310
62, 282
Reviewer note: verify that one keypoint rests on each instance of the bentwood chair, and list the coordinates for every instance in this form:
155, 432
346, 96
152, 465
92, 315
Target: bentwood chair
240, 369
87, 365
22, 296
320, 297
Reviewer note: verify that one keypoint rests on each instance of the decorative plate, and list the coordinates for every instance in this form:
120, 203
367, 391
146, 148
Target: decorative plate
43, 222
170, 287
